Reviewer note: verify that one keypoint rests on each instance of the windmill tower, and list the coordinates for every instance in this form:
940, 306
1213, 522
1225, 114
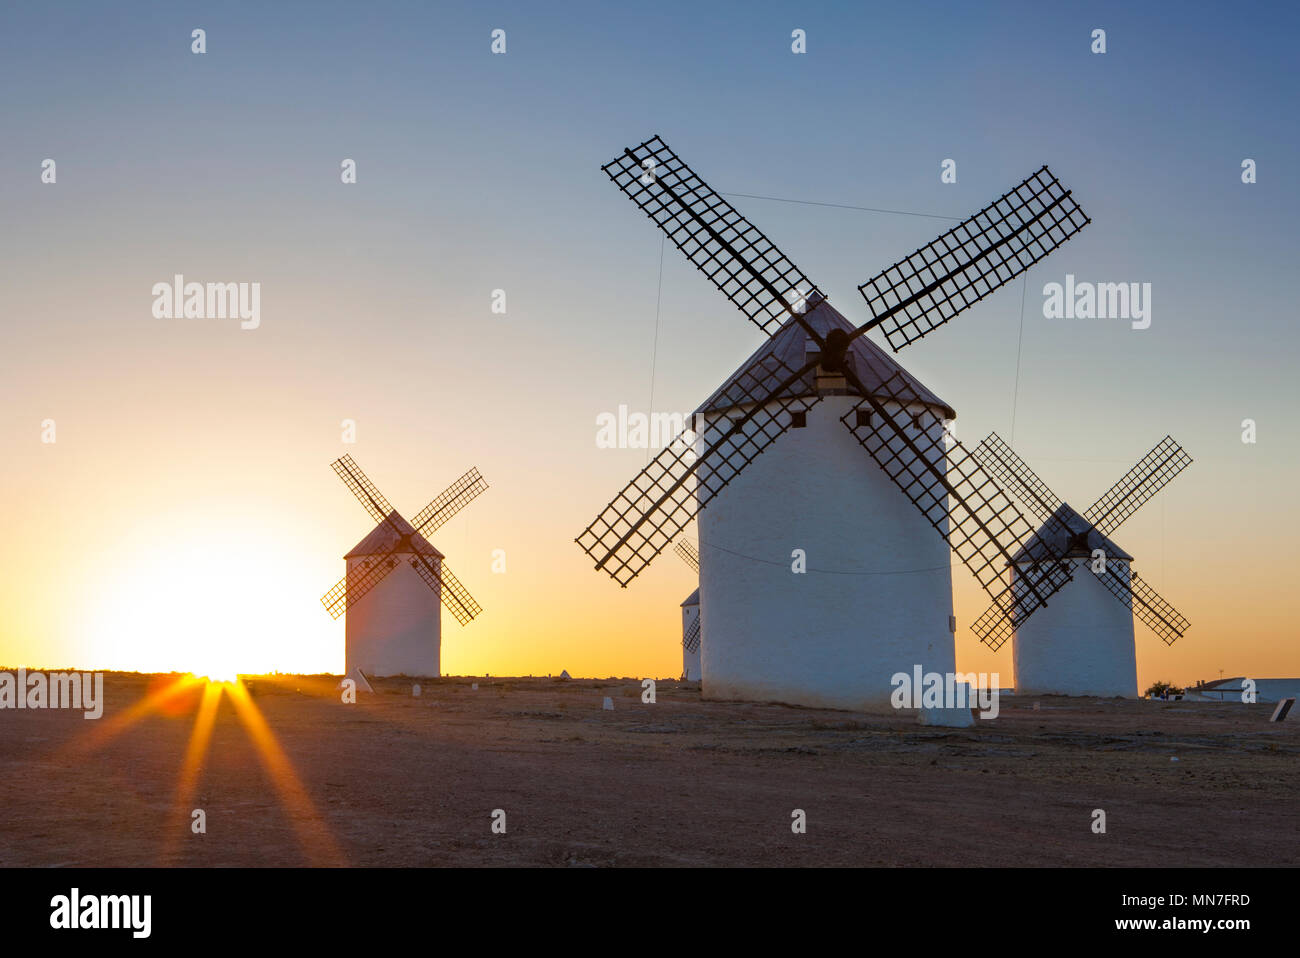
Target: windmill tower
1083, 644
397, 630
875, 597
811, 637
691, 637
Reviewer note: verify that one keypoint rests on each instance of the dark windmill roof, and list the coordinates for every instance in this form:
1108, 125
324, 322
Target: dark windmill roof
789, 344
1052, 535
692, 599
383, 537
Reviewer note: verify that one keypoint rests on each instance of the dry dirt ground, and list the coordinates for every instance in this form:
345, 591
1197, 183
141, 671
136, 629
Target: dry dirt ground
401, 780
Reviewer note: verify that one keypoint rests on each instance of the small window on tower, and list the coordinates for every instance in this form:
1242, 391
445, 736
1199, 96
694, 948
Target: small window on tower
798, 419
864, 419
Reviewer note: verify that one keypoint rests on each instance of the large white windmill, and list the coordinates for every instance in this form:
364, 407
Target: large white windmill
398, 629
875, 598
1083, 644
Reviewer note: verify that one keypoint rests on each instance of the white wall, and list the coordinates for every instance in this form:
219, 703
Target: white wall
820, 639
1266, 690
1081, 643
395, 628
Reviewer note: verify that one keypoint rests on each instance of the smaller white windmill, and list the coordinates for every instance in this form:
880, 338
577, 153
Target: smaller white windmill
399, 630
691, 640
1083, 643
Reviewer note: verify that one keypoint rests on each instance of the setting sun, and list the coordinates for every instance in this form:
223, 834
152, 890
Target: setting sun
234, 602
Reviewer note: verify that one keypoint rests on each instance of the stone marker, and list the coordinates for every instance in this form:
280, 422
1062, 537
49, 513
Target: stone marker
609, 704
415, 690
357, 676
474, 686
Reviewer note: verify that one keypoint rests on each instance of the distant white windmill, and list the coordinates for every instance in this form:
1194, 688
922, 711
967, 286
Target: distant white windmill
691, 636
398, 629
874, 597
1083, 644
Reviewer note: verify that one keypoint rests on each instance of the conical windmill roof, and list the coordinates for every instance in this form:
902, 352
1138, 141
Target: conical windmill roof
789, 344
1052, 536
692, 599
383, 537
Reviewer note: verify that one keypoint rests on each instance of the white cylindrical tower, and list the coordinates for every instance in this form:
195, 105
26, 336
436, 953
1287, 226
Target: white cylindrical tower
396, 627
876, 596
691, 657
1081, 642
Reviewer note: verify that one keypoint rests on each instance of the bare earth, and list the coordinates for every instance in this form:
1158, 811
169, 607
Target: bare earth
399, 780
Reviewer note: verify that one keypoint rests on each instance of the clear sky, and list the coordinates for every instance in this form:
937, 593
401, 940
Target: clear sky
187, 503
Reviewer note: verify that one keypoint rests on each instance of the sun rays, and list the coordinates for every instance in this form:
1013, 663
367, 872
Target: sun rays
318, 844
315, 837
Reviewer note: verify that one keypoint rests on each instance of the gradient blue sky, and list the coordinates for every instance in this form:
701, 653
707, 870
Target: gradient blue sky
479, 172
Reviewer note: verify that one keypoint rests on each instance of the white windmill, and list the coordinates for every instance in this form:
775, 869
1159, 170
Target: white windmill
1083, 644
874, 597
398, 629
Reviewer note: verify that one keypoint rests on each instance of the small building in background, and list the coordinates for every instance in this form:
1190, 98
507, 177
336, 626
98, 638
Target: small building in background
1231, 690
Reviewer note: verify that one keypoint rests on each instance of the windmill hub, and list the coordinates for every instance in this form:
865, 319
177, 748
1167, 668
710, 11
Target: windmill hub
1078, 542
837, 345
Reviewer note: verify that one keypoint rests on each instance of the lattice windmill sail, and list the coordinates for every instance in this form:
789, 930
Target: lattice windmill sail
815, 368
397, 630
1084, 644
691, 637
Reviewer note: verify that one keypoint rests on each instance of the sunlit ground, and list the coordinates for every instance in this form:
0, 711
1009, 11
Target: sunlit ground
173, 697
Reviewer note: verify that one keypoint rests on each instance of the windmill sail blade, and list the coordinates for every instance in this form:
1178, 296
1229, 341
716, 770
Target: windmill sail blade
365, 490
1013, 605
1012, 473
691, 640
997, 624
345, 593
731, 251
1148, 606
954, 493
449, 502
656, 506
454, 595
928, 288
1138, 485
689, 554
